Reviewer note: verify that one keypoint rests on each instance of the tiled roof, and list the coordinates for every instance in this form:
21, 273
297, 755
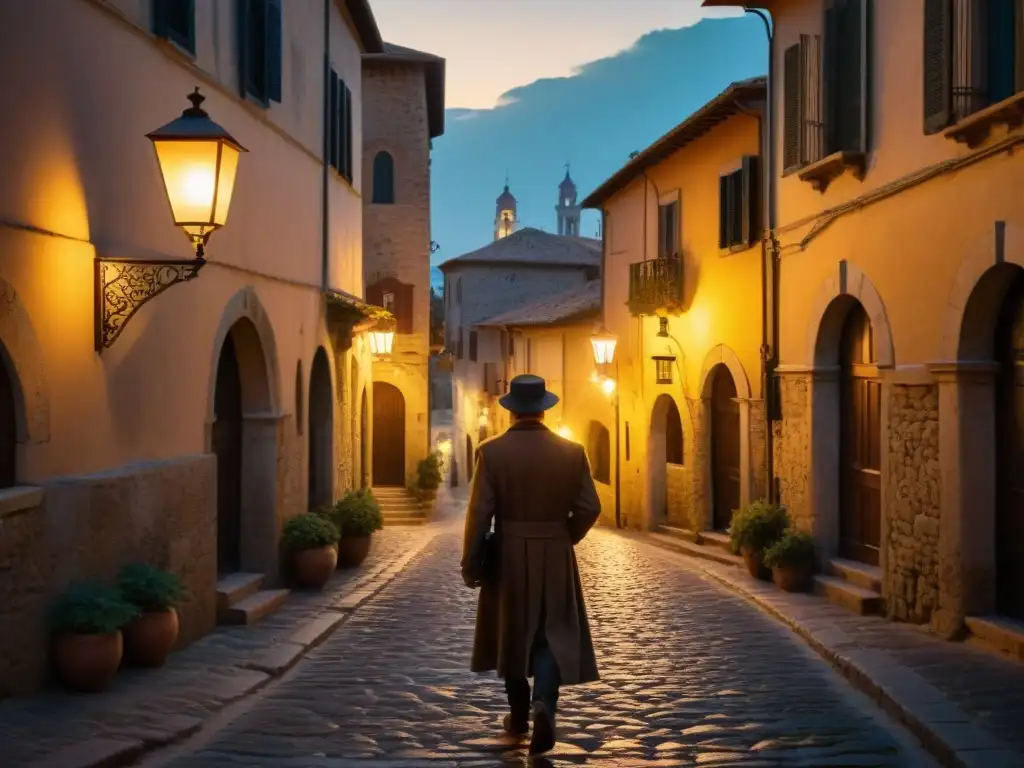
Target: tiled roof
533, 246
572, 304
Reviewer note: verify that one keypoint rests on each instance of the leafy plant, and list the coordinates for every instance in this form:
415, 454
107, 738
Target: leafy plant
794, 548
413, 488
149, 588
758, 525
428, 472
357, 513
87, 608
309, 531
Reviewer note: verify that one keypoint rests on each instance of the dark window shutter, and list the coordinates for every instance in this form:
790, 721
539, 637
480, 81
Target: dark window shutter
1002, 68
375, 294
736, 228
383, 178
460, 347
348, 135
723, 212
938, 64
406, 309
750, 203
332, 121
242, 14
275, 50
1018, 53
472, 346
793, 99
175, 20
846, 75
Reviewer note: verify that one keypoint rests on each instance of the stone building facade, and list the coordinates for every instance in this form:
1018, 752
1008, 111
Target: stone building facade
899, 248
403, 112
212, 417
682, 265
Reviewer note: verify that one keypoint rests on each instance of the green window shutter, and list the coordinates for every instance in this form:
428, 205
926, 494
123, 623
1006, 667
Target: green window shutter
275, 50
175, 20
793, 103
938, 64
1002, 74
723, 212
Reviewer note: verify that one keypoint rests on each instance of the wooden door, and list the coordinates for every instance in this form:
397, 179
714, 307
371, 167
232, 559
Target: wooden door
725, 448
1010, 458
388, 435
227, 445
320, 433
8, 428
860, 460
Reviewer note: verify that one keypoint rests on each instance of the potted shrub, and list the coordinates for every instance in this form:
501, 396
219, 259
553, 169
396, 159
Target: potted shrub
791, 559
428, 474
357, 515
755, 528
312, 540
86, 623
151, 635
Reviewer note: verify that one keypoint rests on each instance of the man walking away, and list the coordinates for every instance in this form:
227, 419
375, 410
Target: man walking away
531, 620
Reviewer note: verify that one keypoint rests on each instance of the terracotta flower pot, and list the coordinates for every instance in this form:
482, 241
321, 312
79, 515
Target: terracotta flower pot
150, 636
87, 662
792, 578
313, 567
755, 567
352, 550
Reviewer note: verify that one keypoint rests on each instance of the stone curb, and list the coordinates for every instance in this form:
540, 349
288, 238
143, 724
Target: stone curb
943, 728
112, 752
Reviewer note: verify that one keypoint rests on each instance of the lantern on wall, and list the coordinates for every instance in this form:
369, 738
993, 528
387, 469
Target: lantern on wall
381, 341
604, 346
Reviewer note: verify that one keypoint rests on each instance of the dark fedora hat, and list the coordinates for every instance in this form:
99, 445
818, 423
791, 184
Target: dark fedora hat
528, 394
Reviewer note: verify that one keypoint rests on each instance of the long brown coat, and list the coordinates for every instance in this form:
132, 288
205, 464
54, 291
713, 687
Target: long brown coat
528, 481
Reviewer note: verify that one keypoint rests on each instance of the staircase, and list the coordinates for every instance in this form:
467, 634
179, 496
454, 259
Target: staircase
399, 507
240, 599
854, 586
707, 545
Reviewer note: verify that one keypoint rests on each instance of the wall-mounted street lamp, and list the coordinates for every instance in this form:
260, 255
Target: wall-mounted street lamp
382, 339
604, 344
198, 162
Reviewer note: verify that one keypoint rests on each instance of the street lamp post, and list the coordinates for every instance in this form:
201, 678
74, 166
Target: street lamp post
604, 344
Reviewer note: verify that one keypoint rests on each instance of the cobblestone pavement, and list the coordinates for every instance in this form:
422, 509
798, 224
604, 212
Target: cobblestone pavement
691, 675
146, 707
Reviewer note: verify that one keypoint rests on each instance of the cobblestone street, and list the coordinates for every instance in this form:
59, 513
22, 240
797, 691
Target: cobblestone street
692, 675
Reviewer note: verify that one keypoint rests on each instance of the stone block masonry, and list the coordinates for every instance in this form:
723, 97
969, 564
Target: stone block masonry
792, 449
911, 577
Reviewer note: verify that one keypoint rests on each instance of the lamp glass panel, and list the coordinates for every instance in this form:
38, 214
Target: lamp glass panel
604, 349
226, 182
189, 170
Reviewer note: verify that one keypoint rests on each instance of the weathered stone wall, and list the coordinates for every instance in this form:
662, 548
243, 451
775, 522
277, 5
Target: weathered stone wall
913, 503
758, 489
792, 436
697, 461
678, 496
161, 513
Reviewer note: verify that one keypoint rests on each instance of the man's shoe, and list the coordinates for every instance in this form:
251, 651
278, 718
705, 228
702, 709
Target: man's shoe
543, 729
514, 726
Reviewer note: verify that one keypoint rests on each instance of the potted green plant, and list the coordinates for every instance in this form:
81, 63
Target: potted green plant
150, 636
791, 559
86, 622
428, 474
754, 528
312, 540
357, 515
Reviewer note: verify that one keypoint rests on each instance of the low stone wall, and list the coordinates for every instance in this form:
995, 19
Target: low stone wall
86, 528
792, 437
911, 577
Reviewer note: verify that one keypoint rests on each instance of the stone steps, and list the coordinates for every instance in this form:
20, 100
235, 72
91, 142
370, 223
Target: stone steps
687, 543
240, 599
399, 507
997, 633
846, 594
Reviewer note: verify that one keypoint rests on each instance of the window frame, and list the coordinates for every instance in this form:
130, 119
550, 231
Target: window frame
185, 42
270, 64
387, 169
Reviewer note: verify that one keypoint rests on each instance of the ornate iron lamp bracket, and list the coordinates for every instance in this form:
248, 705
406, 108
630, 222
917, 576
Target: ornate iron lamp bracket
123, 285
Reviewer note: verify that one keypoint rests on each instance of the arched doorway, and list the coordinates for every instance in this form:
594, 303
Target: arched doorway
725, 448
364, 431
1009, 531
470, 463
388, 435
8, 426
860, 465
227, 445
665, 447
321, 430
244, 440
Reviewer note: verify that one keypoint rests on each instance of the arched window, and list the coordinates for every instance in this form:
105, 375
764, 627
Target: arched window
599, 451
383, 179
673, 435
8, 426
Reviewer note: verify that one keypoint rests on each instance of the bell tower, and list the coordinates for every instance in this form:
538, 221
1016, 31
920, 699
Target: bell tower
505, 219
567, 209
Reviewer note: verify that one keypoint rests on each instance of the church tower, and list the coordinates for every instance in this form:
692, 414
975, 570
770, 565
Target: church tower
505, 220
567, 209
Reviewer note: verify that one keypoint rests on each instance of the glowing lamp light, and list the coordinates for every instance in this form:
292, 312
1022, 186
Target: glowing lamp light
199, 162
608, 386
445, 447
482, 421
381, 341
604, 346
564, 431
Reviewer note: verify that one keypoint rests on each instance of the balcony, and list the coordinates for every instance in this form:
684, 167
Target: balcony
656, 285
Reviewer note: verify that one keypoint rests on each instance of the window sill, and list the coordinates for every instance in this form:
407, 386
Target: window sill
974, 129
821, 173
18, 499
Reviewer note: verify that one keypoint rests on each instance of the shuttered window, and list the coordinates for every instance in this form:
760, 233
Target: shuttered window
396, 297
668, 229
339, 126
973, 57
260, 49
472, 346
383, 179
175, 20
739, 205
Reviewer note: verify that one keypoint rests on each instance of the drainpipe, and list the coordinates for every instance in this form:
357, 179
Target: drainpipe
769, 254
325, 201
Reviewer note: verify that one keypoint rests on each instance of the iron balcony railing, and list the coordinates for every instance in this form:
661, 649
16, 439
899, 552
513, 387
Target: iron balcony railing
656, 285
